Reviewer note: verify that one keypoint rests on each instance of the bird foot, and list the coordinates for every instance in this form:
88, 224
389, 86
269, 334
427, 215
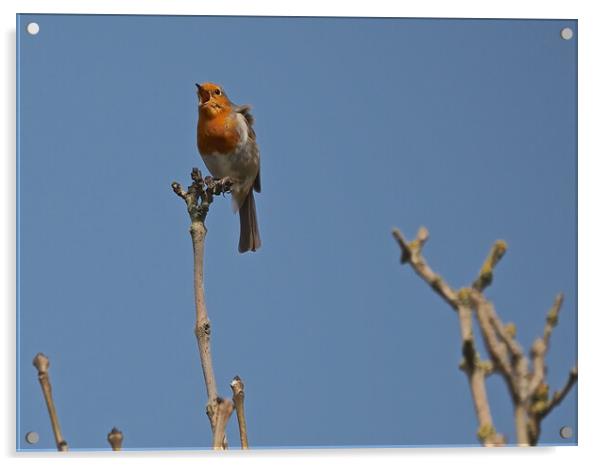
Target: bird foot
224, 184
218, 185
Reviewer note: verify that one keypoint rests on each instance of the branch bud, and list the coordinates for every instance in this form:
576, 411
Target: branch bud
41, 362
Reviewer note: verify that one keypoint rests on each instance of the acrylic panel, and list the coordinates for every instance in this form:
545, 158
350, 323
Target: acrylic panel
462, 130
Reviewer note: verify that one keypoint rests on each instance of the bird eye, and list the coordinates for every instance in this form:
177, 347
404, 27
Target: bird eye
218, 92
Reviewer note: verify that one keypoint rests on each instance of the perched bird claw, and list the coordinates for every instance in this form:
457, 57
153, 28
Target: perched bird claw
196, 175
225, 184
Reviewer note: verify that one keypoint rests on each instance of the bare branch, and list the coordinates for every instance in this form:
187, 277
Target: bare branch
42, 364
486, 433
465, 318
541, 405
521, 421
200, 193
203, 326
238, 391
538, 351
507, 333
177, 188
552, 318
115, 438
486, 274
409, 248
528, 391
538, 388
198, 197
494, 346
559, 395
521, 384
520, 398
541, 346
476, 371
514, 372
412, 252
223, 412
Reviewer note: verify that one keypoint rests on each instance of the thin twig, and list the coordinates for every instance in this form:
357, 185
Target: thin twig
514, 372
552, 318
238, 392
541, 406
42, 364
115, 438
486, 274
499, 341
541, 346
494, 346
198, 197
483, 280
411, 251
559, 395
476, 371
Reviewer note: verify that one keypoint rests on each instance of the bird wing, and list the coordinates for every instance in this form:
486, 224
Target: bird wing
245, 110
257, 183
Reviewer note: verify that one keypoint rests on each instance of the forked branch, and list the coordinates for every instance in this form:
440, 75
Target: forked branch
224, 408
462, 302
559, 395
411, 251
528, 388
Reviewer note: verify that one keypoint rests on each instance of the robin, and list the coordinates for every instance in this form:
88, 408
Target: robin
226, 142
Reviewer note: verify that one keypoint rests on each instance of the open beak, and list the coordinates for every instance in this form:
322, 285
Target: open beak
204, 94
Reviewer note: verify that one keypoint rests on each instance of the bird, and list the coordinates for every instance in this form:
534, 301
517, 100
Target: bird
227, 144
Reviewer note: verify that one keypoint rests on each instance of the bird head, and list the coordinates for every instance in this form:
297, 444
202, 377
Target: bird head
212, 99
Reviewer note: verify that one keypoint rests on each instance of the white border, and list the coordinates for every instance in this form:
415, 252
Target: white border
590, 233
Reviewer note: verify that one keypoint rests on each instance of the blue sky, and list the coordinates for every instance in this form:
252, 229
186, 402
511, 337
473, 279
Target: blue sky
465, 126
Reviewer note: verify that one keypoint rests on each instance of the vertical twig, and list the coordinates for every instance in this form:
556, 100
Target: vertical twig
203, 326
476, 371
485, 277
506, 353
198, 197
541, 345
521, 402
495, 347
538, 390
115, 438
238, 392
42, 364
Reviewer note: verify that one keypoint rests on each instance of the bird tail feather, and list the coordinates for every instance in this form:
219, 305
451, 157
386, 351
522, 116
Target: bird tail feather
249, 229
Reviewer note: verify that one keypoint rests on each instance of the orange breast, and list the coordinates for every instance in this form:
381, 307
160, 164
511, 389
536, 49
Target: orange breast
217, 134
